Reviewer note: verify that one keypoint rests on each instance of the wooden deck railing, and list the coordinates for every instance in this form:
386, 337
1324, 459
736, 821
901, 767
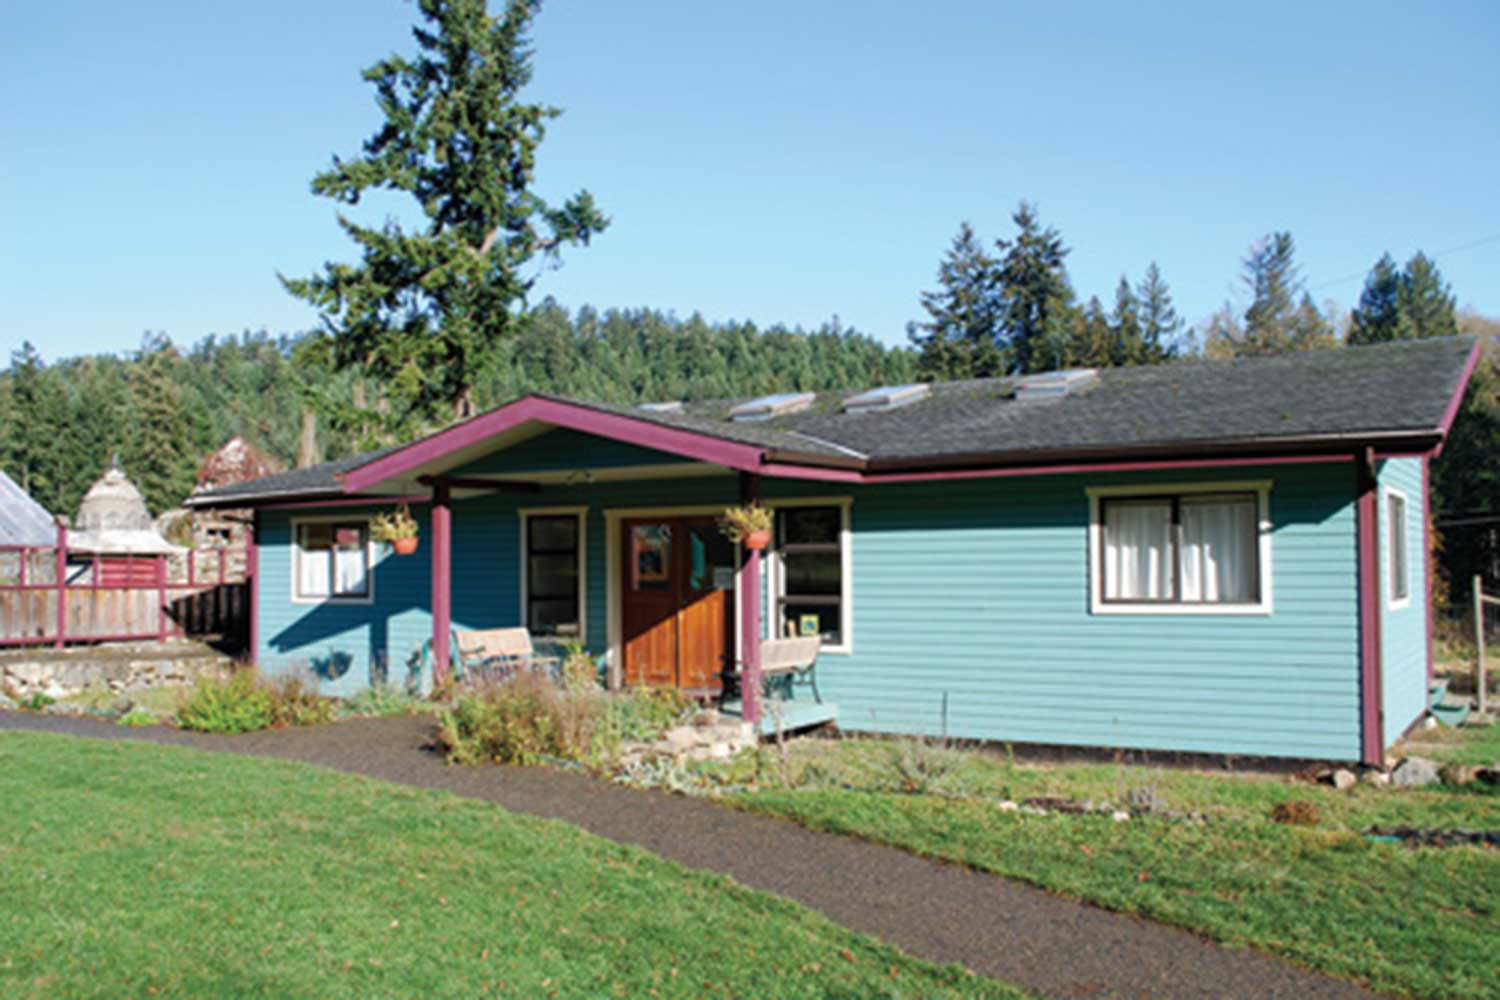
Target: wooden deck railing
54, 595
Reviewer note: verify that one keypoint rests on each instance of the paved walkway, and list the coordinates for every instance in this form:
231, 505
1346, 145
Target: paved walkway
941, 912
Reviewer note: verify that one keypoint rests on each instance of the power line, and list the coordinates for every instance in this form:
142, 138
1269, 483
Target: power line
1482, 241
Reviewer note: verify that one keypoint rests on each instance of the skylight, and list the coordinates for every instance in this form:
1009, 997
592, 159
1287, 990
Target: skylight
887, 397
769, 407
1049, 385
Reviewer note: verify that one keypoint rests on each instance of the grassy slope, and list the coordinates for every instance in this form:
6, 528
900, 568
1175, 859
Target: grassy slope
1420, 922
138, 870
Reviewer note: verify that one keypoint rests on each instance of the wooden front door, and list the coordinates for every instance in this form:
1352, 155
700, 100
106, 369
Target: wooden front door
677, 607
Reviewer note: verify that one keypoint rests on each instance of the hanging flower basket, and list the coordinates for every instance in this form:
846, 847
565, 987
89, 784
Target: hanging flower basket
749, 526
397, 529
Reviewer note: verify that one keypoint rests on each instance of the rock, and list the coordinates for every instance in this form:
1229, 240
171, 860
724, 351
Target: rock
1119, 816
680, 738
1375, 777
1414, 772
1458, 774
1343, 779
1488, 775
1008, 806
707, 717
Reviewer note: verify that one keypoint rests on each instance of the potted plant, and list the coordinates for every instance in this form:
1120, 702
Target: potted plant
749, 525
397, 529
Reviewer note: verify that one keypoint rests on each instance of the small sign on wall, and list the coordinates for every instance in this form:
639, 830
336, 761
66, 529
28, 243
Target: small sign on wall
808, 625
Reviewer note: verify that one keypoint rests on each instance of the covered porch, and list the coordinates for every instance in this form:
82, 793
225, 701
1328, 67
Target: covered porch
616, 546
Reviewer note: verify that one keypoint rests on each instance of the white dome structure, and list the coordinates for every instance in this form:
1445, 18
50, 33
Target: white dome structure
113, 520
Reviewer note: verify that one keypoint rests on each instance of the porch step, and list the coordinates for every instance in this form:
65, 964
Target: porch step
796, 715
1451, 712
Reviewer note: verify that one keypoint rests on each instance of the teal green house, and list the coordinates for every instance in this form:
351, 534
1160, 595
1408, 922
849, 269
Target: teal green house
1217, 557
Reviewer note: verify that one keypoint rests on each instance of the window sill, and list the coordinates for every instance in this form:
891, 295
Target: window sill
1184, 610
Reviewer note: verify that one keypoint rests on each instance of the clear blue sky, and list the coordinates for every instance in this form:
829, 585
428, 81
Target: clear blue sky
775, 161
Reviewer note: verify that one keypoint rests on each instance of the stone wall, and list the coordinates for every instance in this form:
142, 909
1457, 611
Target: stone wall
126, 666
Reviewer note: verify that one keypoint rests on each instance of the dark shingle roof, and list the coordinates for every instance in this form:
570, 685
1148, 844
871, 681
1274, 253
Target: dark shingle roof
311, 481
1353, 395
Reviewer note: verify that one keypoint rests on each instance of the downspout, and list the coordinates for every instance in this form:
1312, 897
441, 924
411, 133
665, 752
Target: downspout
1367, 534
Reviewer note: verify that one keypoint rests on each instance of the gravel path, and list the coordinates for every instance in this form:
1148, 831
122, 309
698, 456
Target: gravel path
941, 912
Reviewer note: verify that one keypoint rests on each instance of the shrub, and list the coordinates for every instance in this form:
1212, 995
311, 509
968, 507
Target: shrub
237, 704
38, 702
382, 701
138, 717
518, 721
528, 719
295, 702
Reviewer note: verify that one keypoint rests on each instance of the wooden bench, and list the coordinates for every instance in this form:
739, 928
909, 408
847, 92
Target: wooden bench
497, 654
795, 658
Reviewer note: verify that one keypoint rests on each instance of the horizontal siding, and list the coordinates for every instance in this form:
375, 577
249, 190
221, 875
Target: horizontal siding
988, 609
1403, 631
975, 591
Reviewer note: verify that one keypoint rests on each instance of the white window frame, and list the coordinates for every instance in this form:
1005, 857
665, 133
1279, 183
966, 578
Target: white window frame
368, 597
525, 515
1392, 601
776, 575
1261, 488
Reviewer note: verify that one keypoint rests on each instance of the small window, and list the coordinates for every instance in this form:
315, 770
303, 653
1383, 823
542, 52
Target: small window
554, 573
1178, 550
333, 560
810, 596
1399, 575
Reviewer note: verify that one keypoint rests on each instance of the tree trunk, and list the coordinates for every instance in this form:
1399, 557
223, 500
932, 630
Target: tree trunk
307, 444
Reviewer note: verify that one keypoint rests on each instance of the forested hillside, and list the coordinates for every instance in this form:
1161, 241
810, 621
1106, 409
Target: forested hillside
164, 407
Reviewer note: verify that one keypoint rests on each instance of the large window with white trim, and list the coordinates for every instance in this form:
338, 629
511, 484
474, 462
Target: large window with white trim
1180, 550
810, 584
332, 561
552, 571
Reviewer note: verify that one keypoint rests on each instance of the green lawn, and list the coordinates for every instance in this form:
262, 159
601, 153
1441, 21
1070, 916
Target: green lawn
133, 870
1422, 922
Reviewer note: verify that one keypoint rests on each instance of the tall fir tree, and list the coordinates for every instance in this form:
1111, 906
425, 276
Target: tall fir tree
958, 340
1377, 316
422, 307
1161, 326
1037, 296
1281, 317
1425, 304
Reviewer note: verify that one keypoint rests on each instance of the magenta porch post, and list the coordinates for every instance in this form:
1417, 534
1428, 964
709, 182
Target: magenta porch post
1367, 534
442, 581
60, 563
252, 584
749, 589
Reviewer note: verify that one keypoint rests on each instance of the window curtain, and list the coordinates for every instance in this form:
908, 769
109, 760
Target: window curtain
349, 570
1218, 550
1137, 551
312, 565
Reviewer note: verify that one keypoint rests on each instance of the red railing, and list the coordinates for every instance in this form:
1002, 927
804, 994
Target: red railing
54, 595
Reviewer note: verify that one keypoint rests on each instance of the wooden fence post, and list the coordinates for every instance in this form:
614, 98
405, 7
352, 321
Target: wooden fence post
1479, 638
161, 598
60, 564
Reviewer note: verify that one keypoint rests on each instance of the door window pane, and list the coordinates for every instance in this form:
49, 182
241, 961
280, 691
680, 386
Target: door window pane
651, 552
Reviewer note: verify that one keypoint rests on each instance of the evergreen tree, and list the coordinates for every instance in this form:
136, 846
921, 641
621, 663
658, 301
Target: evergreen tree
1377, 317
1281, 316
1037, 297
420, 310
1424, 302
959, 338
1128, 337
1161, 327
1093, 341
